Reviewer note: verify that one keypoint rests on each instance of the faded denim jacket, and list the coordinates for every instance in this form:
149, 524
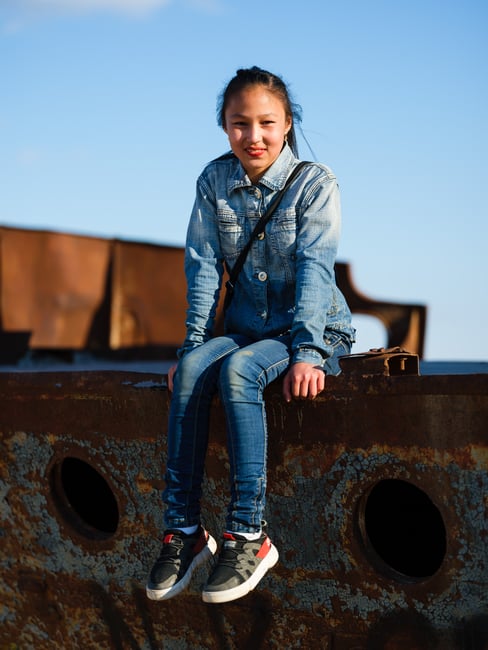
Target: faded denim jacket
287, 284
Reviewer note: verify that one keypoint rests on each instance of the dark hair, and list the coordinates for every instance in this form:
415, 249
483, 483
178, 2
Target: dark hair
255, 76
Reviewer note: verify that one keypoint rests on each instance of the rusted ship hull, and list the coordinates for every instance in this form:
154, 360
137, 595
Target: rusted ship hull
377, 501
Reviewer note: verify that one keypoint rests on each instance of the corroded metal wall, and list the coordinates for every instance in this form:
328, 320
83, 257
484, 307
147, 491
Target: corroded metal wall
377, 503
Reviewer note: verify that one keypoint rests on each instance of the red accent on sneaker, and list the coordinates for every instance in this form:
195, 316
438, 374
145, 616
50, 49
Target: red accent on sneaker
229, 536
201, 543
264, 550
167, 538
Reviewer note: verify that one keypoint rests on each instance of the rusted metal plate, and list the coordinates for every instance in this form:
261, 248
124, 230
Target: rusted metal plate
69, 292
149, 296
377, 501
53, 286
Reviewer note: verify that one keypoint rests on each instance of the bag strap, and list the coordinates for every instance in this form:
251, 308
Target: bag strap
258, 229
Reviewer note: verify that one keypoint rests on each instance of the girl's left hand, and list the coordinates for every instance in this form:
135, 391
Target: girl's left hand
171, 374
303, 381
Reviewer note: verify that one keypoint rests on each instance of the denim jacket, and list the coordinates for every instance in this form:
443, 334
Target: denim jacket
287, 283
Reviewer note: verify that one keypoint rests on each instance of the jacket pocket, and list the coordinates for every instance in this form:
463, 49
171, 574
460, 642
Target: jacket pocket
283, 232
231, 234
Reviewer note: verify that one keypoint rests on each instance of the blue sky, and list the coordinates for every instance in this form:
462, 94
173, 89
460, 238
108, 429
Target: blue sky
107, 115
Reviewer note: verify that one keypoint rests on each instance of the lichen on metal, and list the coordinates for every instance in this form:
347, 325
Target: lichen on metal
351, 475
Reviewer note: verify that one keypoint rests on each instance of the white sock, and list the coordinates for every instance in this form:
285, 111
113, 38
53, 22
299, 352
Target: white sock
189, 530
249, 536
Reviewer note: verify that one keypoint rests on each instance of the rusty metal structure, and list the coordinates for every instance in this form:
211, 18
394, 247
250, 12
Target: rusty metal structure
67, 292
377, 490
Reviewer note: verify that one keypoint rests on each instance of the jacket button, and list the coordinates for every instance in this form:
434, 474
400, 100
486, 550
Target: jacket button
261, 236
262, 276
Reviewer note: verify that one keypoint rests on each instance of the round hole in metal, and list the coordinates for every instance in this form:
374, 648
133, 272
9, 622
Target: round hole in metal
403, 530
84, 498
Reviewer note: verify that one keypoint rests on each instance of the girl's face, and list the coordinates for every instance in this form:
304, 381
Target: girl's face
256, 125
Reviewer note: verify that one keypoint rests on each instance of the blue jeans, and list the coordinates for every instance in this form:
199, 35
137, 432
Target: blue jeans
239, 369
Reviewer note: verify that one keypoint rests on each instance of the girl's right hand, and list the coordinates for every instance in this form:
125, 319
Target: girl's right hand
171, 374
303, 381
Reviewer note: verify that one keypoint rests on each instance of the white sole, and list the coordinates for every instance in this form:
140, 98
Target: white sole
204, 556
238, 592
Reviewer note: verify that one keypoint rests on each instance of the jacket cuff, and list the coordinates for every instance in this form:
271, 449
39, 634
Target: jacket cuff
308, 355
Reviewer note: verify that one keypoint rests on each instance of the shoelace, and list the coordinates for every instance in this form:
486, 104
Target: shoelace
229, 555
170, 549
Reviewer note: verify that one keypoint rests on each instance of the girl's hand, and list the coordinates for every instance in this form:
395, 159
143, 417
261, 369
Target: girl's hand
171, 374
303, 381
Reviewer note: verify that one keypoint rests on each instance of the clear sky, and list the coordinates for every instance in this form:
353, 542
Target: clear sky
107, 116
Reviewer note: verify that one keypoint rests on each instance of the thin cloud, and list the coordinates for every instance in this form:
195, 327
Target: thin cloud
21, 13
136, 7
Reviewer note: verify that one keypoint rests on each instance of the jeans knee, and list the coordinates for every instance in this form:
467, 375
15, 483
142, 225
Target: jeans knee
185, 375
239, 371
193, 372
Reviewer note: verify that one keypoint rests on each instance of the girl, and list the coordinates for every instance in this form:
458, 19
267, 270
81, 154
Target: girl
287, 318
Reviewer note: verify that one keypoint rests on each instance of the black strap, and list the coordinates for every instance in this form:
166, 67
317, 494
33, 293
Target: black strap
258, 228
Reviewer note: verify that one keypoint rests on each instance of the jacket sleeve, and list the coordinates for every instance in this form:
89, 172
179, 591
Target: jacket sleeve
203, 269
316, 296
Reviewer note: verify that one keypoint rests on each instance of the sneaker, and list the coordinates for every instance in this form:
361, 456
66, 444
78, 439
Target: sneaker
242, 564
180, 555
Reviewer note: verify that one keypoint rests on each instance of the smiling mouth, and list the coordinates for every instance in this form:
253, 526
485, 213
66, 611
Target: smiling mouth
255, 153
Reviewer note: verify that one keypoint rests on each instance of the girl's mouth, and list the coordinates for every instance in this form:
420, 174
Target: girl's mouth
255, 153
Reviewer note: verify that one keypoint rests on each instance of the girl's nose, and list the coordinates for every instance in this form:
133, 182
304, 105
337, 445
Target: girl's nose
254, 134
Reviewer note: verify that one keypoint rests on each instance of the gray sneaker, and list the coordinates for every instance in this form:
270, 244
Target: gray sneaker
180, 555
240, 567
